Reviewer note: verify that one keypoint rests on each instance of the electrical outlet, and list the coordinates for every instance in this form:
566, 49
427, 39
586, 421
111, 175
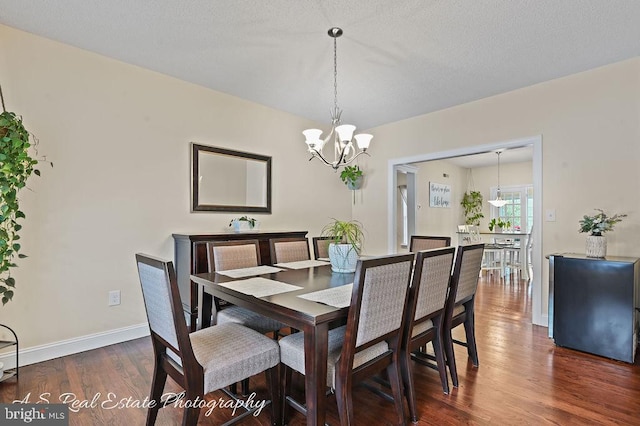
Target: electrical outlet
114, 297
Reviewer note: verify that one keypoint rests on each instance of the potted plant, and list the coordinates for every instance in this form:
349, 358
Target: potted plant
597, 225
498, 224
17, 166
472, 205
352, 177
244, 223
347, 238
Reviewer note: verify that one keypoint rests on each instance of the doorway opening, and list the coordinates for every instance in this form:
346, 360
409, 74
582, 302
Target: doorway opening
399, 166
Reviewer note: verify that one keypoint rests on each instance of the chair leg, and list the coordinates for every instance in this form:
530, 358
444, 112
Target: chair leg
440, 361
190, 416
407, 379
245, 387
469, 331
274, 392
451, 359
344, 401
286, 374
157, 387
396, 390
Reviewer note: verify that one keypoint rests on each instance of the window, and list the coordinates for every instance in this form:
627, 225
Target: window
519, 208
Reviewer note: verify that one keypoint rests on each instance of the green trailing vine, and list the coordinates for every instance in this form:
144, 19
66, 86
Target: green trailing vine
16, 166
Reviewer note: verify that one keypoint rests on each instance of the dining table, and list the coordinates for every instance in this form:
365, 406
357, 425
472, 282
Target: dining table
309, 299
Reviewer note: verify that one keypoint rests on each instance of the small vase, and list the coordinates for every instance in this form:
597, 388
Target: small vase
596, 246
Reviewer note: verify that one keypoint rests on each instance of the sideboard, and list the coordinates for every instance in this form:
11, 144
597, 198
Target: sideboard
190, 257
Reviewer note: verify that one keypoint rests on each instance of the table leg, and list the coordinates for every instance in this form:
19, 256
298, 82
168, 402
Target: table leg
205, 307
315, 367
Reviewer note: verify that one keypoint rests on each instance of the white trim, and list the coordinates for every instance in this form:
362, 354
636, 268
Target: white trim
538, 317
62, 348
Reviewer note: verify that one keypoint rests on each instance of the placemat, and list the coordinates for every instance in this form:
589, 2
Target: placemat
249, 272
302, 264
340, 297
260, 287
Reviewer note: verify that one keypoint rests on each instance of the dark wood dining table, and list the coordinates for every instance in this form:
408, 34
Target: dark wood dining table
313, 318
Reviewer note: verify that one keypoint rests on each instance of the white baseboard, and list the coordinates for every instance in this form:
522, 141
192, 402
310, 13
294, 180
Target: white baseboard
73, 346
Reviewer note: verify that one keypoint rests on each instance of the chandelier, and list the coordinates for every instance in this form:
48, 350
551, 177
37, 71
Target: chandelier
344, 148
498, 202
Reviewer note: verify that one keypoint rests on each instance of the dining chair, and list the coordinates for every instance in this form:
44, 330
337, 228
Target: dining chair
203, 361
423, 242
369, 342
289, 250
425, 316
321, 247
226, 255
460, 305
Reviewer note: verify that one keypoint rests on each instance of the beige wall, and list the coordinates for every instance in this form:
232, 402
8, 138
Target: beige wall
589, 123
119, 138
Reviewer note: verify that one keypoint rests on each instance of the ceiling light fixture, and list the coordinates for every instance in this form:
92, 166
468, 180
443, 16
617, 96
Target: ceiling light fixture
344, 149
498, 202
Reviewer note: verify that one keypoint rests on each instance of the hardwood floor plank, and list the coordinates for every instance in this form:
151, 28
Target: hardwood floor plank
523, 379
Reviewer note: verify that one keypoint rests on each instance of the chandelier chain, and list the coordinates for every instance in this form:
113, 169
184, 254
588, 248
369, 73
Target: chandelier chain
335, 73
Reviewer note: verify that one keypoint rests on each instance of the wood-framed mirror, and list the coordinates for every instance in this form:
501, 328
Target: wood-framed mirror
225, 180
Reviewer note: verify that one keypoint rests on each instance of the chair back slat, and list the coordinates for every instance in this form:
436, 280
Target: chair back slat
289, 250
226, 255
420, 243
321, 247
384, 296
469, 271
157, 300
434, 281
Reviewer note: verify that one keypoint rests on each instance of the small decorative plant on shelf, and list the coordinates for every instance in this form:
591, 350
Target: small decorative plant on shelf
472, 205
352, 177
244, 223
498, 224
597, 225
347, 238
16, 166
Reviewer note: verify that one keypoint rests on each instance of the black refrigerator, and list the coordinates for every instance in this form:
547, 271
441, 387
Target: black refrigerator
594, 304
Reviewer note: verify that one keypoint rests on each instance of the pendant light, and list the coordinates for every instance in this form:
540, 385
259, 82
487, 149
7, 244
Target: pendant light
498, 202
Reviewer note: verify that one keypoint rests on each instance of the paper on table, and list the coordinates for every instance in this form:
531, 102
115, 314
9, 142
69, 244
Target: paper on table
249, 272
260, 287
340, 297
302, 264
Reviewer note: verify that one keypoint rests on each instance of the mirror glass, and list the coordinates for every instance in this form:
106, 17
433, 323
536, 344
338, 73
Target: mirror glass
229, 181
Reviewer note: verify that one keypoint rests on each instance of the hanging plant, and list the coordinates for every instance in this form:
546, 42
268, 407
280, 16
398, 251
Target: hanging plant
16, 166
472, 205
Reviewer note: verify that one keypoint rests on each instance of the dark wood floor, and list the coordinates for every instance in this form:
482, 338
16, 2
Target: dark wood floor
522, 379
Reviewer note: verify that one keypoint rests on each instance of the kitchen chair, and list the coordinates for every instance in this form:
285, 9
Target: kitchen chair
460, 304
370, 341
321, 247
206, 360
493, 259
289, 250
226, 255
421, 242
425, 316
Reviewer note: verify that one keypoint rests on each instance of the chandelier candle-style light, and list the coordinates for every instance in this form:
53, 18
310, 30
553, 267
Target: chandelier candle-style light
344, 148
498, 202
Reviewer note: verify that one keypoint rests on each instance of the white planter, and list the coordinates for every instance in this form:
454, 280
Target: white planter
244, 226
343, 258
596, 246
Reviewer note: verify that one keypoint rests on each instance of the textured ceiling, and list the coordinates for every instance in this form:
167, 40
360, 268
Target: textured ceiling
397, 59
